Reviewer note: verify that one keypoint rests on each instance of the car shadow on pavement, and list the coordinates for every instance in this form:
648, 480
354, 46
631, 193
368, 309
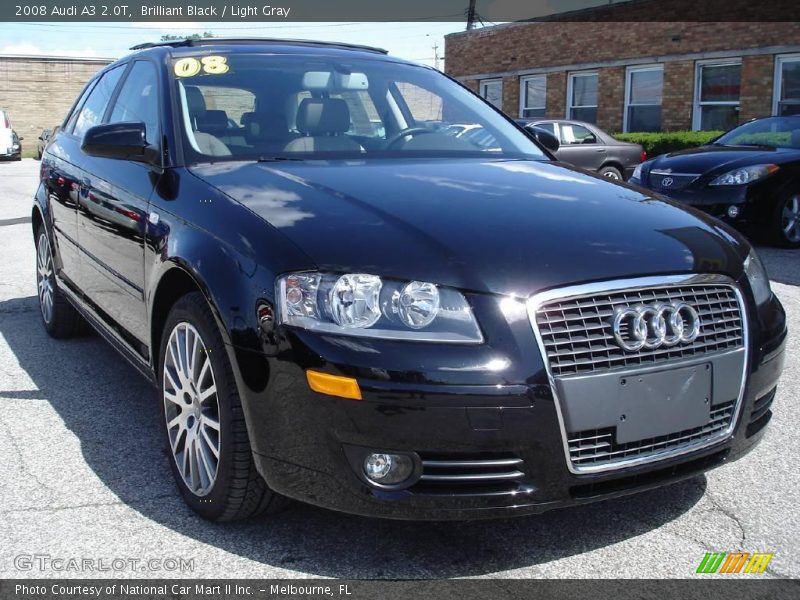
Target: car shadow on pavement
782, 264
114, 413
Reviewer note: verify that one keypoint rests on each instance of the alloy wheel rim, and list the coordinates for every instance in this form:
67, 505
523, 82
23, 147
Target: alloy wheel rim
790, 219
44, 277
610, 175
191, 408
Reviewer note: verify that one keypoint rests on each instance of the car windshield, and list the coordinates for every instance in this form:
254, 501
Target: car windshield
240, 106
775, 132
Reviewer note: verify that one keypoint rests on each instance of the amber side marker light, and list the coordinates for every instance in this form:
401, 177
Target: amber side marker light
333, 385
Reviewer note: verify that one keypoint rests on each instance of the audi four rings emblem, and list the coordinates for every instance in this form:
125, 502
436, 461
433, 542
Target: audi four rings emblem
667, 181
655, 325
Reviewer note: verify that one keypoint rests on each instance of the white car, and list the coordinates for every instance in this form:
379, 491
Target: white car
9, 142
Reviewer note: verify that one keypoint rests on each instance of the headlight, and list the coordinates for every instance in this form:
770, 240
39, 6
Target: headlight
744, 175
757, 276
364, 305
637, 172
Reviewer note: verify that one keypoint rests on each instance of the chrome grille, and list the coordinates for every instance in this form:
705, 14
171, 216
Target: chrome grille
677, 181
598, 447
578, 338
471, 475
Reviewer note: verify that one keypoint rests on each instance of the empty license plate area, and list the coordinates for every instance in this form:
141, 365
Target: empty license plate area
642, 405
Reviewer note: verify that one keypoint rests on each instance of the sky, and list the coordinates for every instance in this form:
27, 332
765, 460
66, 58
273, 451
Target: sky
409, 40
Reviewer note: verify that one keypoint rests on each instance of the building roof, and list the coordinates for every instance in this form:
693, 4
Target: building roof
46, 57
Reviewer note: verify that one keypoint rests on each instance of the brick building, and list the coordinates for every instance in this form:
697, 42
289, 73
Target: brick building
37, 91
633, 76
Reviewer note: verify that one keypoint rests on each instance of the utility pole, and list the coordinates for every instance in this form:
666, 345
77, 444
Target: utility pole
471, 15
436, 56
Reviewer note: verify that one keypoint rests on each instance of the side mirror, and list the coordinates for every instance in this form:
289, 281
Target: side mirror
545, 138
20, 139
122, 141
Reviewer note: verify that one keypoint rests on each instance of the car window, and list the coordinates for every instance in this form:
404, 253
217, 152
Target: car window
235, 102
137, 100
572, 133
92, 111
778, 132
364, 118
76, 109
424, 105
333, 107
549, 127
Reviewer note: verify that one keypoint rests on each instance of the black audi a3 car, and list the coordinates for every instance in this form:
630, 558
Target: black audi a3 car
749, 176
338, 303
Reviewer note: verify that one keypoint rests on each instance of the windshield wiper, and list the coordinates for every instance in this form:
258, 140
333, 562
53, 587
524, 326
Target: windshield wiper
279, 159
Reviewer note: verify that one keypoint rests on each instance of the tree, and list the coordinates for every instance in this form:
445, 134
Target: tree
169, 37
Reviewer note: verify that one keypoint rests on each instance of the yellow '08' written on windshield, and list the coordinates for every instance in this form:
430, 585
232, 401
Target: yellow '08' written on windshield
210, 65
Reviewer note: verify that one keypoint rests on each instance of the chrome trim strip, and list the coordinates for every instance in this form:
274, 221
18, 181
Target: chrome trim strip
492, 462
473, 477
633, 285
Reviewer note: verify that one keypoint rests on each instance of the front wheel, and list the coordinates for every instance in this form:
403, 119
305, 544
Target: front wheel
212, 461
786, 221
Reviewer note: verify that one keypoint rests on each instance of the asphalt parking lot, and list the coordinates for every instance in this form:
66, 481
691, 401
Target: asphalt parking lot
85, 475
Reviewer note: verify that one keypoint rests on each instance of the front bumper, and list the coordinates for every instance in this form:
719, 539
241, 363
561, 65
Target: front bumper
716, 200
438, 405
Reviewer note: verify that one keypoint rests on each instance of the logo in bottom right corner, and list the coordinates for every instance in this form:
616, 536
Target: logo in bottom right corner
730, 563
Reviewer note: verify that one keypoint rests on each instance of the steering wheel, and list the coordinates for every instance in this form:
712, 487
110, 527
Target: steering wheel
405, 133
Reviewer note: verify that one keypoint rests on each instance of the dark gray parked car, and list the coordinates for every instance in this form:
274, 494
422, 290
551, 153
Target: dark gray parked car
42, 142
587, 146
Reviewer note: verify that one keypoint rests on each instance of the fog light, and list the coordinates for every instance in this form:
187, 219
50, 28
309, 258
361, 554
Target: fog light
733, 211
388, 469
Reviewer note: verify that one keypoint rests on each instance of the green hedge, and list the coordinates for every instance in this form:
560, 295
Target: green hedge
656, 143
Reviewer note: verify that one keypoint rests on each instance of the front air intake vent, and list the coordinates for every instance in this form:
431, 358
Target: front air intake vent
470, 475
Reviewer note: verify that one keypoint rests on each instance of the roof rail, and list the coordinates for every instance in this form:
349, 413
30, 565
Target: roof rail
256, 40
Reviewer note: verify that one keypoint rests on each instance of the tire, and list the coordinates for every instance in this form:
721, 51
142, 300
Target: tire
611, 173
205, 429
59, 317
785, 226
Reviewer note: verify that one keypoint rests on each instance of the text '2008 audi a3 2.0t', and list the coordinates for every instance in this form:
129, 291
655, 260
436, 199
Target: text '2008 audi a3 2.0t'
343, 304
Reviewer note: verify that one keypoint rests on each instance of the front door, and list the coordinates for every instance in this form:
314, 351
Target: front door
580, 147
113, 226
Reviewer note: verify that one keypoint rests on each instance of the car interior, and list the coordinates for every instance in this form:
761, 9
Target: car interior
336, 111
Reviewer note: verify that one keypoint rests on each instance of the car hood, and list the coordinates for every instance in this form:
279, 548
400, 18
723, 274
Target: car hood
500, 226
705, 159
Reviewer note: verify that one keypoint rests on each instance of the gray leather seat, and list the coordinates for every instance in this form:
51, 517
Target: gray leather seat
214, 122
323, 121
267, 131
206, 142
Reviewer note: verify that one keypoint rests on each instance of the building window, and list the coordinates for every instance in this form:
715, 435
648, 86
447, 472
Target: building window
492, 91
787, 85
716, 105
643, 86
582, 97
533, 96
